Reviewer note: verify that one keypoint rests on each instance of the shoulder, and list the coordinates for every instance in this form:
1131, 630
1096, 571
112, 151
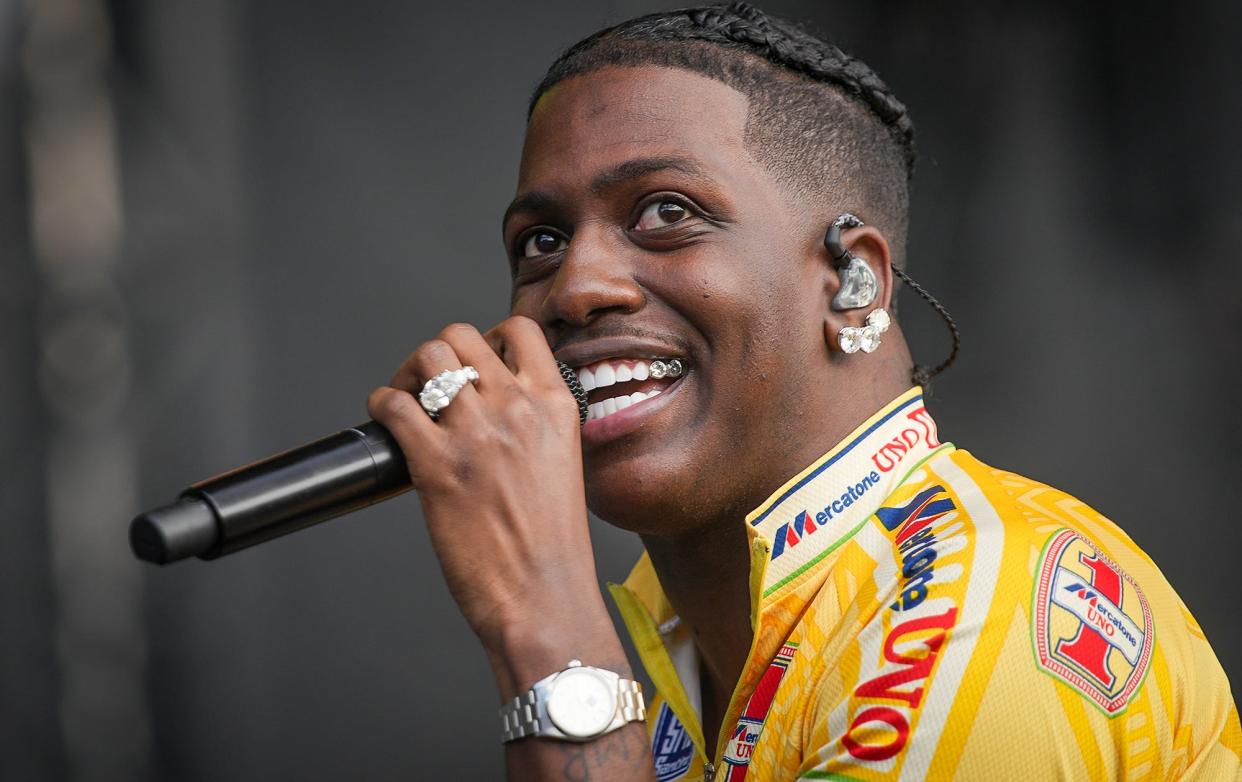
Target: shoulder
1028, 528
1098, 610
999, 598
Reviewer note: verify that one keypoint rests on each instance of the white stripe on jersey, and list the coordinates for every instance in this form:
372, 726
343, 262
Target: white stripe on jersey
942, 690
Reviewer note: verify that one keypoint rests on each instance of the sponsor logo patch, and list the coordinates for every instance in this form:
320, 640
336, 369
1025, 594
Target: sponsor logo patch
911, 648
916, 542
921, 431
741, 746
1091, 624
791, 533
671, 748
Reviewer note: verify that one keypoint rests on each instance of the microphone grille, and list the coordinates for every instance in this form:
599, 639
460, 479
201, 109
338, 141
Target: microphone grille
580, 394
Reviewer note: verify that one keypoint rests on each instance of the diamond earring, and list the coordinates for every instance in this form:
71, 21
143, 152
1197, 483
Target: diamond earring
865, 338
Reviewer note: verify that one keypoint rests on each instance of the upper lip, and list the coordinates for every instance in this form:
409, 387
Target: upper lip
583, 354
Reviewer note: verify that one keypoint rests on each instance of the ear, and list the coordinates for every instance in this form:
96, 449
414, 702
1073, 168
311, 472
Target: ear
867, 244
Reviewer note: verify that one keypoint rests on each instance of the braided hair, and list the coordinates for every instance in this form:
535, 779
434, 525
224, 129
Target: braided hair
820, 121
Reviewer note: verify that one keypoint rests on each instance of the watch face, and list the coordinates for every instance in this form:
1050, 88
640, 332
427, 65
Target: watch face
582, 703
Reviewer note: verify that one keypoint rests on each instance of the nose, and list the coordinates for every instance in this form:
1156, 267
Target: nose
596, 276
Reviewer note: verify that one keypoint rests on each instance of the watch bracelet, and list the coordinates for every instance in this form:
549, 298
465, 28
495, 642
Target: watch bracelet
523, 716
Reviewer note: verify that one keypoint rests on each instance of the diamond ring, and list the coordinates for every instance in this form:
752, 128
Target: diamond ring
440, 390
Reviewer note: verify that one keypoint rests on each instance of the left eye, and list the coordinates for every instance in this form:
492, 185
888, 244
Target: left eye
660, 214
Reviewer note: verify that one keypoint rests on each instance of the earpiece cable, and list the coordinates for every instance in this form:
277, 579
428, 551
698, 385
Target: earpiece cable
922, 375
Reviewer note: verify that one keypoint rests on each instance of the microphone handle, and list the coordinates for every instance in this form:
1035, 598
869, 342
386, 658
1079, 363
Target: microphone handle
284, 493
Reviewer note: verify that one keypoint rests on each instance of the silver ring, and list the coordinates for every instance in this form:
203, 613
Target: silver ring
439, 392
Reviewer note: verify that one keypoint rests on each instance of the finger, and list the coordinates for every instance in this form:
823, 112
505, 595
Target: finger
398, 411
474, 350
428, 360
525, 349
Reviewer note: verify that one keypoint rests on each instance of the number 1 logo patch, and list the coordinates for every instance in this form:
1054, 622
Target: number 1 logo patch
1092, 625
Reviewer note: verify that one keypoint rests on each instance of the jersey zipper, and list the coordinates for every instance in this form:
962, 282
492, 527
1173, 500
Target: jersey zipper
709, 771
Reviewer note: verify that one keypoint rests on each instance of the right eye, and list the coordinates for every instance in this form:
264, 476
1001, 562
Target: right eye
540, 242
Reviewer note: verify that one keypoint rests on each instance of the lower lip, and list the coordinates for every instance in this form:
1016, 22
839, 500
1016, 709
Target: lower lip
623, 422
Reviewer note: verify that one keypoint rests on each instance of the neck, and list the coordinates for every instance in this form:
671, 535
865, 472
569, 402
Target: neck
706, 578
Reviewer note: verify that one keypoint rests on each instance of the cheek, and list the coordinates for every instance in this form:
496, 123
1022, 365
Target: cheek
525, 300
747, 306
764, 336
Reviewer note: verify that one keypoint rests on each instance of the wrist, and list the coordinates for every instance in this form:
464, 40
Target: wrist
526, 652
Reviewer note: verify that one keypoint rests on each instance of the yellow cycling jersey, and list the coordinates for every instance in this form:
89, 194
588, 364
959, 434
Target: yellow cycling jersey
920, 615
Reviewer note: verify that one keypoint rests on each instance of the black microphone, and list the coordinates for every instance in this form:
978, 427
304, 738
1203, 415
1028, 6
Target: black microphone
284, 493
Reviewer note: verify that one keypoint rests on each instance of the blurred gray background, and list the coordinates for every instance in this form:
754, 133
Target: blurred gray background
222, 223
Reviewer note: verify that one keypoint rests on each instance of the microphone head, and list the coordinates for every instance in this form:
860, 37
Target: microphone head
580, 394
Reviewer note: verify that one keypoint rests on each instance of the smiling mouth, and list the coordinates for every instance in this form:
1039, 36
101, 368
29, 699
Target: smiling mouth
614, 384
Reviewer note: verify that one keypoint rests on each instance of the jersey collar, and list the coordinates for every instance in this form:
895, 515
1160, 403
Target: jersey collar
824, 505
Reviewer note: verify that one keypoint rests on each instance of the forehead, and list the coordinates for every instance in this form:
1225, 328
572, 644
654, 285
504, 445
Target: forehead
594, 121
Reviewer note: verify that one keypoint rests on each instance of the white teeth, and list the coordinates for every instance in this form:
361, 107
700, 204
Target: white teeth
587, 378
609, 406
608, 373
623, 370
604, 376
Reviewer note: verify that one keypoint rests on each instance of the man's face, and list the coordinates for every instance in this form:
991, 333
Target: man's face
643, 229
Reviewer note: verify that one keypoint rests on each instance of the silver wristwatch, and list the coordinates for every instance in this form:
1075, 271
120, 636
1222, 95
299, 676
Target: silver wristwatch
577, 704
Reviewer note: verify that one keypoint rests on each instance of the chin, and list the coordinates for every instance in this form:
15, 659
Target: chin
666, 494
639, 495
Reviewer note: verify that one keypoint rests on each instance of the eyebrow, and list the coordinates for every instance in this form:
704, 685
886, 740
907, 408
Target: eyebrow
541, 200
634, 169
534, 201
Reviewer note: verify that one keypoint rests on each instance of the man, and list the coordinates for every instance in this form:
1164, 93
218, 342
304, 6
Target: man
710, 212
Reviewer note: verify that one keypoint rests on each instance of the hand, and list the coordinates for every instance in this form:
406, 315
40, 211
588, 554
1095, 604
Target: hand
500, 479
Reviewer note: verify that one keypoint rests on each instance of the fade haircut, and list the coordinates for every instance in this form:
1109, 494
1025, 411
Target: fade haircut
819, 121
